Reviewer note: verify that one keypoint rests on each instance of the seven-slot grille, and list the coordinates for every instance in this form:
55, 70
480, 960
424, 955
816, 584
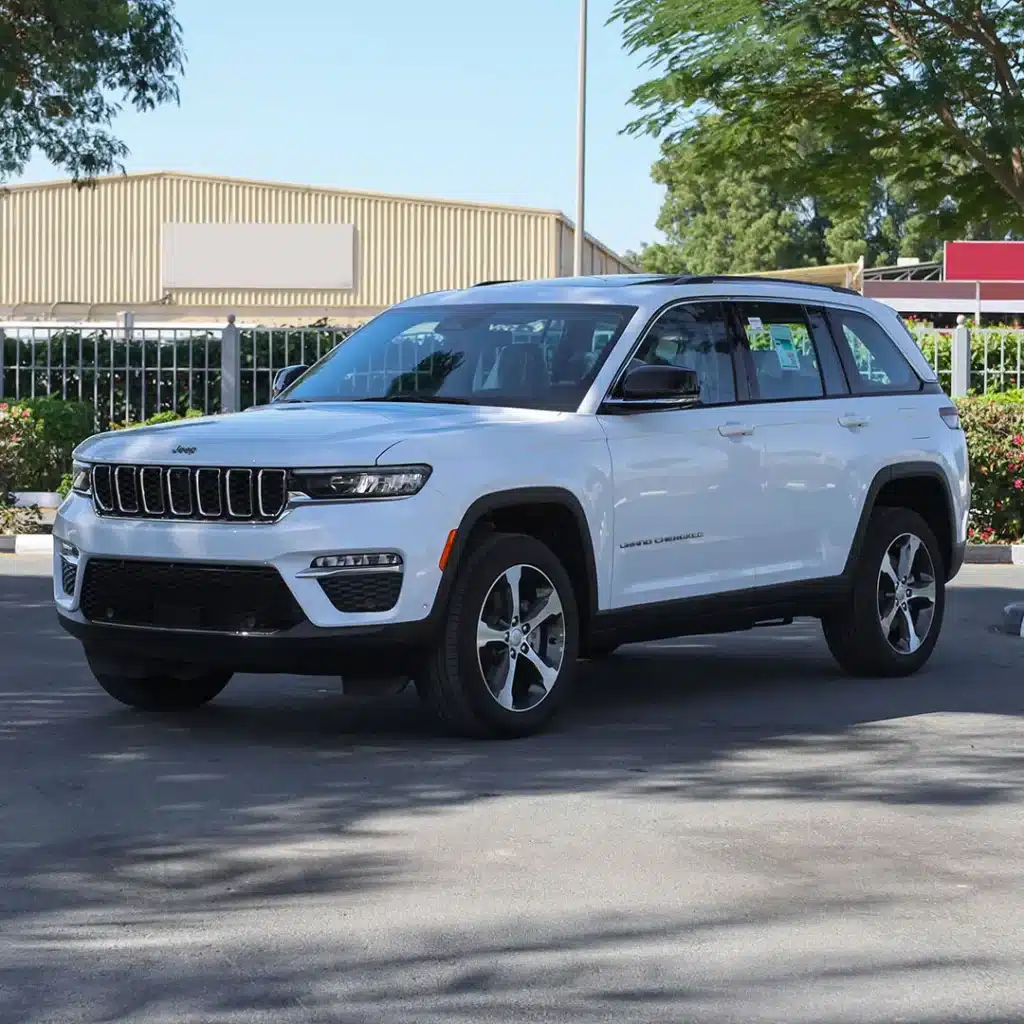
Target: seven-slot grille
189, 492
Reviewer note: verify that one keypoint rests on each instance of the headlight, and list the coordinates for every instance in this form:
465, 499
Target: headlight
360, 484
81, 478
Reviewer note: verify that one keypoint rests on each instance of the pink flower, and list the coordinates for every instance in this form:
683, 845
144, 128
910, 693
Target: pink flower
1018, 439
1018, 484
25, 413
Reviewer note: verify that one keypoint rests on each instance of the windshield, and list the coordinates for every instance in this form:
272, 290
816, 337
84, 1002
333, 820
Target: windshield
528, 356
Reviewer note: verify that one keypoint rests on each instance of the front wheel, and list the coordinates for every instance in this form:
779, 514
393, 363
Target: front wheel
158, 691
507, 655
892, 621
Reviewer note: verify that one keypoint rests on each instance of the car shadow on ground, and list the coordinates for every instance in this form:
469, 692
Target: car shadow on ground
115, 820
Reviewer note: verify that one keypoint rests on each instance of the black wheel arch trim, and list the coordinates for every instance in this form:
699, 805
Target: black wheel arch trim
498, 500
903, 471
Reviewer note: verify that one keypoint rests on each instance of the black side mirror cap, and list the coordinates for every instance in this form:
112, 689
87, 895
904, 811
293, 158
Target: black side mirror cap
286, 377
661, 383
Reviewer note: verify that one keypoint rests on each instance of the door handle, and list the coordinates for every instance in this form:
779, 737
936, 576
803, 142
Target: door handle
735, 430
852, 420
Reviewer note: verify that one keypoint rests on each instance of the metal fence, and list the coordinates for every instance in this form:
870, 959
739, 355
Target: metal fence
130, 373
993, 357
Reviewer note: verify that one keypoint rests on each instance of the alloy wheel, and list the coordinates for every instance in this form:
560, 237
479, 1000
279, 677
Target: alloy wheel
906, 594
520, 638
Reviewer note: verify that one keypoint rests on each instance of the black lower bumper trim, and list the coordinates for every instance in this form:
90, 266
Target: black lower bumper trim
365, 651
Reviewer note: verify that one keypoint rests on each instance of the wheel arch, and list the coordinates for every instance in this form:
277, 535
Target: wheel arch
893, 486
494, 512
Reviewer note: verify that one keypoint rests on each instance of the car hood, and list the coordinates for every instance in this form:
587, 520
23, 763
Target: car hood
321, 434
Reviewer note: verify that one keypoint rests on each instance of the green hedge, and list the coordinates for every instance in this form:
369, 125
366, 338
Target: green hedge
44, 453
994, 425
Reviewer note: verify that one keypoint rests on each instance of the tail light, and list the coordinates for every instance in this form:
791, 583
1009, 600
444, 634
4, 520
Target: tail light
950, 416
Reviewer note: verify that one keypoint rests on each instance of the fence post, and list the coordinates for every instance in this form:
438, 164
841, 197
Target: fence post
230, 367
960, 358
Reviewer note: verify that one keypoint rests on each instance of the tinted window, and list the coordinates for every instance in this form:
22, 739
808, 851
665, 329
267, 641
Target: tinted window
874, 363
694, 336
534, 356
785, 362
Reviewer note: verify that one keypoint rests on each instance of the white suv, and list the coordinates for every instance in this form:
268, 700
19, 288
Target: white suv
479, 488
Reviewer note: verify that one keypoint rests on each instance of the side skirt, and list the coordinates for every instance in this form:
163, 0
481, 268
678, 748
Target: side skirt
721, 613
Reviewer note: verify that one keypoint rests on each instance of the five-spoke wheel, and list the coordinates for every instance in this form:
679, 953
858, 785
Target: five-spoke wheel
507, 657
891, 621
906, 593
520, 638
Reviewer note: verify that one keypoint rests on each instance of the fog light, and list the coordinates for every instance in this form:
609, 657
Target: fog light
363, 560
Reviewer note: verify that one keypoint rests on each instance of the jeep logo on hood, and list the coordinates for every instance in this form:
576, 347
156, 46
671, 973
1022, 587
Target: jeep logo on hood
183, 450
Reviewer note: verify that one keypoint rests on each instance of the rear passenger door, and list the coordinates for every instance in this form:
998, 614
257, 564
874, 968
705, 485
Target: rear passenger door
882, 383
798, 392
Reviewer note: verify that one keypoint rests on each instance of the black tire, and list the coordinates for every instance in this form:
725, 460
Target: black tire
158, 692
452, 683
855, 634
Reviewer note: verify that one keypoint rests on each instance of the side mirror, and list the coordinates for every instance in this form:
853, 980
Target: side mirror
661, 386
285, 378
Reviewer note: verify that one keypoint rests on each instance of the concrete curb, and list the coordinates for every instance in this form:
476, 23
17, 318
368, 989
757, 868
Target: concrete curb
995, 554
26, 544
1013, 619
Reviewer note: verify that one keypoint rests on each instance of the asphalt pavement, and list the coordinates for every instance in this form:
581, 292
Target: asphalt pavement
721, 829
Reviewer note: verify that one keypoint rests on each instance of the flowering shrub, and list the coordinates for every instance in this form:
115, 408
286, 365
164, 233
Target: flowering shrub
18, 443
995, 439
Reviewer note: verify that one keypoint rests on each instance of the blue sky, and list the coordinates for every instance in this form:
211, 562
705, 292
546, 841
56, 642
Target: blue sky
461, 99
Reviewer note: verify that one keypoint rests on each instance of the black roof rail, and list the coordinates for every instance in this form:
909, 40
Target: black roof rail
759, 278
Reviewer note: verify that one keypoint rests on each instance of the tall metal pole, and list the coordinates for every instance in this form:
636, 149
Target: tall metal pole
581, 146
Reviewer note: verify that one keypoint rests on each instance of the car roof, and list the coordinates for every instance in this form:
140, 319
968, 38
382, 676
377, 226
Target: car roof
650, 291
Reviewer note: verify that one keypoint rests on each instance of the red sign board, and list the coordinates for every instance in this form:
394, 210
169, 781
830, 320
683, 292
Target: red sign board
984, 261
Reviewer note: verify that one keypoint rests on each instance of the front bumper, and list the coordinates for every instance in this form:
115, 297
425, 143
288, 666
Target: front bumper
415, 528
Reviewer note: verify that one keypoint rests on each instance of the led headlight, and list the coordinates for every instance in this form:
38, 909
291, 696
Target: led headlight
81, 478
360, 484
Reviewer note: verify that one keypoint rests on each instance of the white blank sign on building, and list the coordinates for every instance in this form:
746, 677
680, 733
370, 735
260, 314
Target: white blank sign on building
267, 256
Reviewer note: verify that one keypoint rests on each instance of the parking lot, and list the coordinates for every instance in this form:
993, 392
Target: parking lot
721, 829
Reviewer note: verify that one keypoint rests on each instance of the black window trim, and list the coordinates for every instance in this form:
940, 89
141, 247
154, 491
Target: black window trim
850, 367
743, 368
754, 385
741, 385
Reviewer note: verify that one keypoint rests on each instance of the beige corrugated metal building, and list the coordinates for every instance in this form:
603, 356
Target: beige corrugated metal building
90, 254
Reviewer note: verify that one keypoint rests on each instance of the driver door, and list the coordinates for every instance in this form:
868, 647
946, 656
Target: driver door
688, 482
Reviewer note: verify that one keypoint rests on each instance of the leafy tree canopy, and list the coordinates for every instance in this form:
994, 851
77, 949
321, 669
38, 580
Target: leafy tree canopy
922, 95
66, 68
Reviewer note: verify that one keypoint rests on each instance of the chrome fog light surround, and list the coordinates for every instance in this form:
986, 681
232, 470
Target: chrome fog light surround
359, 561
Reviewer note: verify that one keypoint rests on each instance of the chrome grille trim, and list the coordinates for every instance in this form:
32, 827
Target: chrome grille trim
234, 513
150, 470
262, 478
172, 475
126, 473
200, 476
197, 493
102, 482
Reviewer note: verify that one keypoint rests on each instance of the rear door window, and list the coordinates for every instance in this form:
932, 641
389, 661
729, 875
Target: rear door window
784, 363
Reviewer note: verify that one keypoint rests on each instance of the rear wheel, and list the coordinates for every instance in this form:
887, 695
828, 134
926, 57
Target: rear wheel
507, 655
157, 691
892, 622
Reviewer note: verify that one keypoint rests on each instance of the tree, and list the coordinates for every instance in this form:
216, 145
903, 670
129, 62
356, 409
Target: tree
720, 221
923, 94
66, 68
